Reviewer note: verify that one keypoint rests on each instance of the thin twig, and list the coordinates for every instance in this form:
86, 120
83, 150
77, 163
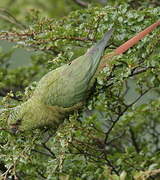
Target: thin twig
4, 14
81, 3
122, 112
43, 153
49, 150
117, 137
134, 142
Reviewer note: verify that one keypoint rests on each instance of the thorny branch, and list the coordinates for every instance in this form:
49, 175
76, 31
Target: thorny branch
93, 157
122, 112
27, 36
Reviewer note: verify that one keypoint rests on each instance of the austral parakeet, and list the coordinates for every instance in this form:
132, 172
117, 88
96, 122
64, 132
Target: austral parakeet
64, 89
59, 92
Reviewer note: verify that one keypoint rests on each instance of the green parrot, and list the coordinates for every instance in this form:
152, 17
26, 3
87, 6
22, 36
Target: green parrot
65, 89
59, 92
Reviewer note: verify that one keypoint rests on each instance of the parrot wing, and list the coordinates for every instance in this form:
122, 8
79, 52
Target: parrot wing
67, 85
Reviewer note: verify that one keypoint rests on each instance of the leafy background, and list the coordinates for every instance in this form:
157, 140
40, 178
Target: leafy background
116, 135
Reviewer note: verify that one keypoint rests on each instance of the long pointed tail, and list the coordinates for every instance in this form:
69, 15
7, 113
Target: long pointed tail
101, 44
128, 44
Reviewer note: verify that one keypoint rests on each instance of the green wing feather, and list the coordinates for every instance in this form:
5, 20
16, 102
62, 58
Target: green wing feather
68, 84
59, 92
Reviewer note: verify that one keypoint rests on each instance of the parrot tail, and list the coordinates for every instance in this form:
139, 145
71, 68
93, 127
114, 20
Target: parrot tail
95, 53
99, 47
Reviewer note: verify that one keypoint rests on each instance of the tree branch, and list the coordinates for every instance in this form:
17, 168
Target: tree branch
134, 142
81, 3
122, 112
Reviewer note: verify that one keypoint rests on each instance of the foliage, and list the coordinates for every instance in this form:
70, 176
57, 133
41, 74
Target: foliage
115, 135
